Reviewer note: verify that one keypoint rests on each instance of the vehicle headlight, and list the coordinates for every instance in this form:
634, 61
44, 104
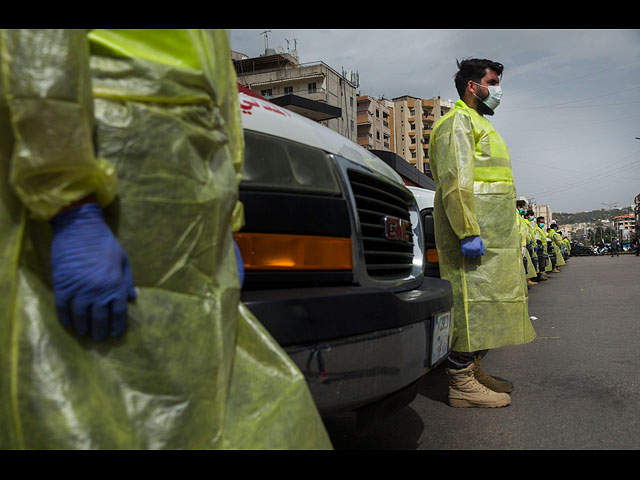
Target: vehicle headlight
272, 163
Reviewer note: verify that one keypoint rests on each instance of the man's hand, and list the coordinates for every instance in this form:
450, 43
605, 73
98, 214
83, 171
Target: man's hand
92, 281
472, 247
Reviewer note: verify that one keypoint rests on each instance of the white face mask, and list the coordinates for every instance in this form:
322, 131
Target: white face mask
495, 94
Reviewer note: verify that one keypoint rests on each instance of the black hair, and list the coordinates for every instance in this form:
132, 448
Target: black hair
538, 219
521, 203
474, 69
554, 225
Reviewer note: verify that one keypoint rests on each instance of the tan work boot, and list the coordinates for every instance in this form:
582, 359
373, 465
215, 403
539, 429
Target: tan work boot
531, 282
466, 391
501, 386
555, 270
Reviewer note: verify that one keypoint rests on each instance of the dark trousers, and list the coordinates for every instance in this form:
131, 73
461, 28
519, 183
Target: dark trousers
458, 360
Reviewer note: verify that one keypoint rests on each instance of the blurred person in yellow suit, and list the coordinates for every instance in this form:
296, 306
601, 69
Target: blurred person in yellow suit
526, 241
121, 154
477, 236
556, 240
567, 246
541, 241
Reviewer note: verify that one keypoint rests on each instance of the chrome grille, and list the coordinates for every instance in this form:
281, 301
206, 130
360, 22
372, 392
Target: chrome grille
375, 200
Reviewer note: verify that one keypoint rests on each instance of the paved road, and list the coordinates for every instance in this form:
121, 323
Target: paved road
577, 386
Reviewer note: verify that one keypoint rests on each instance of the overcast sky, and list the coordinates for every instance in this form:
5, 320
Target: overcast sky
570, 110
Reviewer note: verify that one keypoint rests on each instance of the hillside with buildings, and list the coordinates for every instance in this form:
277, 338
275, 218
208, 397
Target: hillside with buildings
599, 225
592, 216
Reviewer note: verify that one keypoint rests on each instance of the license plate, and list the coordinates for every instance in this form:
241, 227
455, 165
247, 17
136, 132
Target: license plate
441, 337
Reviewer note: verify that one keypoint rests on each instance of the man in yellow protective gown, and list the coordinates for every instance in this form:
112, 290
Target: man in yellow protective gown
120, 320
556, 240
526, 239
477, 236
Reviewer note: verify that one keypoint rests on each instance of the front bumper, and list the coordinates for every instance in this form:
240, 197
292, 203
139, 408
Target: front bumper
354, 345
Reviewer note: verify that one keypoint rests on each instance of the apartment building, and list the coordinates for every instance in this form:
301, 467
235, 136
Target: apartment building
373, 126
314, 90
624, 225
413, 121
543, 211
636, 210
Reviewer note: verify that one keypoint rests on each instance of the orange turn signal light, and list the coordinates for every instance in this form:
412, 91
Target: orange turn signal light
268, 251
432, 255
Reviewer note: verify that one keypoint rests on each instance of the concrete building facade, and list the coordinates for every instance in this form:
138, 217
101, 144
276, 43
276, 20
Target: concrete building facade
624, 225
636, 211
314, 90
374, 132
413, 121
544, 211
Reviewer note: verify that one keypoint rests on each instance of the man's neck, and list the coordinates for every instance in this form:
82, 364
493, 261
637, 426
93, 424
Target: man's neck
471, 102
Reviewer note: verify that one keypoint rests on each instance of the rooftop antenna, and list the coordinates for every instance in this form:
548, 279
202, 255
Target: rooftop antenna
266, 39
295, 49
288, 49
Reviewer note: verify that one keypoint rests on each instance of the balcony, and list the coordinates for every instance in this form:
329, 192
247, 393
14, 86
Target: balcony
308, 107
365, 118
365, 140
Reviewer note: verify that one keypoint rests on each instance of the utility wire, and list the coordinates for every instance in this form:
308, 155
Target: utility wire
600, 175
596, 177
608, 70
555, 149
571, 101
582, 126
582, 182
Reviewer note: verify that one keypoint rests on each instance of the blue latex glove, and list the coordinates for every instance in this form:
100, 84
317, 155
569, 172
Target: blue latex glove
472, 247
240, 263
92, 280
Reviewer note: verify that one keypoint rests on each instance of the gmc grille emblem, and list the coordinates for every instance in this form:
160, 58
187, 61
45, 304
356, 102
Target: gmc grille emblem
397, 229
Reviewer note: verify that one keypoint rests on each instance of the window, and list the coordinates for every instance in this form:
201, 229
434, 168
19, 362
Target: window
377, 113
351, 101
312, 87
288, 90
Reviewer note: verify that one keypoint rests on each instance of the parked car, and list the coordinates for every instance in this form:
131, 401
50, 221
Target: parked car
335, 261
578, 249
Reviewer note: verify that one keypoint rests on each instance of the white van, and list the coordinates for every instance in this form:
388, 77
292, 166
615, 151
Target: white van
425, 198
334, 263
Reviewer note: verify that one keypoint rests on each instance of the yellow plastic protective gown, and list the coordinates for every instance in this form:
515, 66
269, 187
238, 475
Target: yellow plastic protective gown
476, 196
526, 236
149, 122
542, 236
557, 246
